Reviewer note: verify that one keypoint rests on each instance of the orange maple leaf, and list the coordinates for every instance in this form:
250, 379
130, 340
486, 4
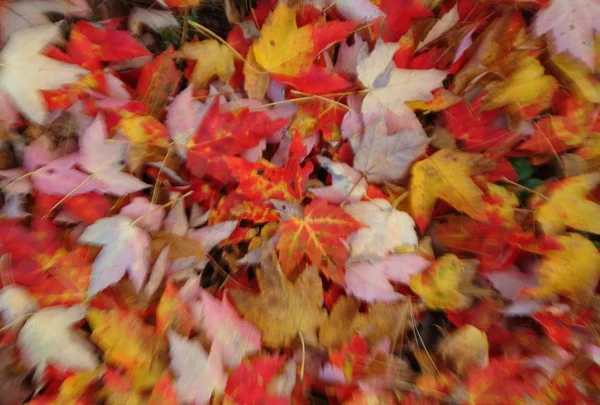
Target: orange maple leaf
320, 236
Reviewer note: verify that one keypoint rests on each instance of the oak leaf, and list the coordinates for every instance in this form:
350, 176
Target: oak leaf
319, 235
134, 348
568, 206
282, 309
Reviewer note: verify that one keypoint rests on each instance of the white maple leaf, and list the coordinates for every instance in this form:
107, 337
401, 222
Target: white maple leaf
156, 20
48, 338
25, 71
387, 158
572, 24
17, 15
371, 281
198, 374
229, 333
104, 160
378, 158
15, 304
125, 249
391, 87
387, 229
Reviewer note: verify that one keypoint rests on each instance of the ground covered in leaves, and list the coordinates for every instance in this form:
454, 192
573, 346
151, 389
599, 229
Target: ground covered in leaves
349, 202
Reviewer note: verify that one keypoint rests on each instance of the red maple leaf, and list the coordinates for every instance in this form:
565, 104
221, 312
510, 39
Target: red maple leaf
221, 135
89, 45
247, 384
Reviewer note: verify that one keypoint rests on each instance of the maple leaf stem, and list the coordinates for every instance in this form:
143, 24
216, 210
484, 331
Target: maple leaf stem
21, 177
303, 355
167, 156
526, 188
69, 194
344, 106
181, 197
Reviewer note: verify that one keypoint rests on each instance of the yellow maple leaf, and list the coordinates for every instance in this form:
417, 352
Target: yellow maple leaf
282, 310
212, 59
464, 349
256, 82
526, 90
445, 285
446, 175
133, 348
284, 48
570, 267
576, 75
74, 387
568, 206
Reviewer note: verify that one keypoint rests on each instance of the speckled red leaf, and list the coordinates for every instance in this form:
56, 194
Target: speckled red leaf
89, 45
473, 128
320, 236
247, 384
227, 134
504, 381
400, 15
352, 357
158, 81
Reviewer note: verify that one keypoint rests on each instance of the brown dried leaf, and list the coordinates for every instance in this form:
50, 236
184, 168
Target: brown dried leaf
283, 309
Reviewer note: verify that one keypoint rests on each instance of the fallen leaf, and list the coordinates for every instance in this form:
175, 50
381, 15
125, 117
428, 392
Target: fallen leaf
572, 25
248, 382
570, 267
391, 87
125, 249
383, 320
47, 338
230, 334
371, 281
446, 175
282, 309
387, 229
464, 349
568, 206
440, 287
15, 305
164, 392
134, 348
198, 374
172, 313
320, 236
25, 70
286, 52
212, 59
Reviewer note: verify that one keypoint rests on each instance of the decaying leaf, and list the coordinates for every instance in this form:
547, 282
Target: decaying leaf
282, 309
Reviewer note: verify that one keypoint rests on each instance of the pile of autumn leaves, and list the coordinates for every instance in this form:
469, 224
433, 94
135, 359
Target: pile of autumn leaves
334, 187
